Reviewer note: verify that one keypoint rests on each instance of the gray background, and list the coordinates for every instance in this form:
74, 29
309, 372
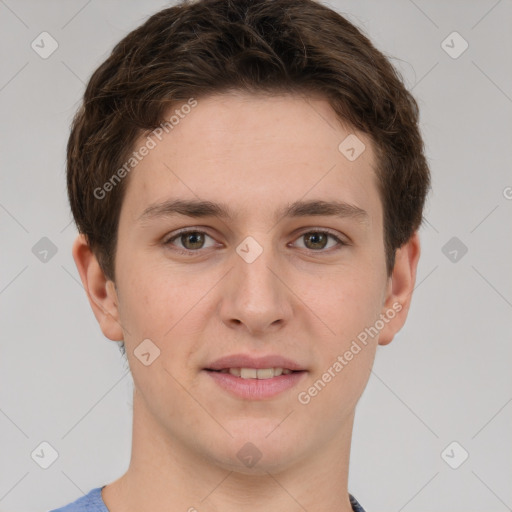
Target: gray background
445, 378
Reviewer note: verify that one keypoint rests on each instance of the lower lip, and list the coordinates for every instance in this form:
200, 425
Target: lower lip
256, 389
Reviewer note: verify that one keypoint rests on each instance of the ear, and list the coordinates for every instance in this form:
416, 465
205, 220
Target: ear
100, 291
399, 289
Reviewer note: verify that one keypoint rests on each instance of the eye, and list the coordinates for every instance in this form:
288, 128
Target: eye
191, 240
317, 240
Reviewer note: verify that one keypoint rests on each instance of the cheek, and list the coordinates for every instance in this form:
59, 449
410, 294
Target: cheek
349, 306
168, 305
351, 300
150, 302
344, 358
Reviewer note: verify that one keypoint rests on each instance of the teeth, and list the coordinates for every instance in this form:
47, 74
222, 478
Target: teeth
254, 373
265, 373
249, 373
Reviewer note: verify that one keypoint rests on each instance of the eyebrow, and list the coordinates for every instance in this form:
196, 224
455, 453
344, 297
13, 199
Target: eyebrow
198, 208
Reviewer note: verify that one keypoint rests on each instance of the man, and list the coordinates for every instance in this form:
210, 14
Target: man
248, 180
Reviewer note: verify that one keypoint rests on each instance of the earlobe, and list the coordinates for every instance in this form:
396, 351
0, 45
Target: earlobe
400, 287
100, 291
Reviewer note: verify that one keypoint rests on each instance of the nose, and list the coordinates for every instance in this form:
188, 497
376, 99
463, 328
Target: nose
254, 297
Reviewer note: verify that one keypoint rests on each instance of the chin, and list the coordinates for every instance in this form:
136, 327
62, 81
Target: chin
258, 450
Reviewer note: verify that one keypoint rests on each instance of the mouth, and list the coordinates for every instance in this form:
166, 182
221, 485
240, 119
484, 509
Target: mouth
256, 373
255, 378
245, 365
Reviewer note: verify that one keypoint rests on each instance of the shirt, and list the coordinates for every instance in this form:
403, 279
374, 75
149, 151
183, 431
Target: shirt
93, 502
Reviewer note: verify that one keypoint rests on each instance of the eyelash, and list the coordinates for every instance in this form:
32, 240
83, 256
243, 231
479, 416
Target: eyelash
188, 252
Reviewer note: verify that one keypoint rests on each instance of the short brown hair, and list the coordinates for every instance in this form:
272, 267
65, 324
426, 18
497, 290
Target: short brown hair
204, 47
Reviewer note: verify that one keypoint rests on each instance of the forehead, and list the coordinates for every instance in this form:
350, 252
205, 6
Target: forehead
255, 152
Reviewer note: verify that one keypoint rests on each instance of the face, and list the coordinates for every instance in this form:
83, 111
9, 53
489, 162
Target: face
284, 267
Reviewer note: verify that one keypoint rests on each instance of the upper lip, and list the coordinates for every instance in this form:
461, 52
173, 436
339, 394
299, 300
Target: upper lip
247, 361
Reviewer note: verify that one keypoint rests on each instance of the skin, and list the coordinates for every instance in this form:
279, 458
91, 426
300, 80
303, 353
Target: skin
297, 299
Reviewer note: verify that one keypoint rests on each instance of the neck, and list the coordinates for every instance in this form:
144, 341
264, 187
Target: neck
166, 476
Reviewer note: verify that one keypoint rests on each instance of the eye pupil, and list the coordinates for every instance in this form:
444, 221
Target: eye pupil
316, 238
196, 238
